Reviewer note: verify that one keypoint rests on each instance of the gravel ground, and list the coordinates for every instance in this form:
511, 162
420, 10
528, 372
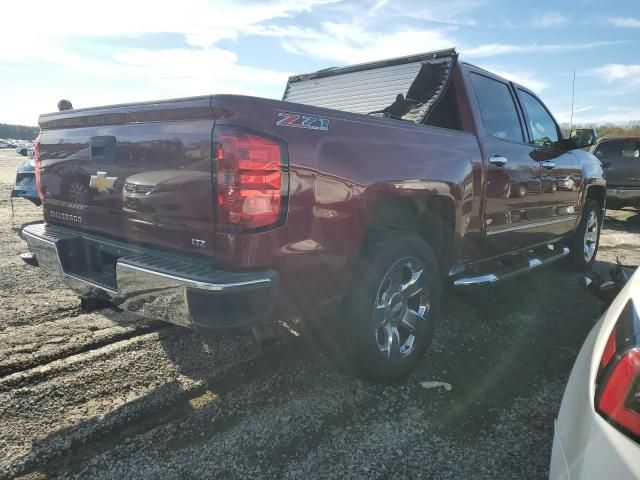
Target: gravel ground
106, 395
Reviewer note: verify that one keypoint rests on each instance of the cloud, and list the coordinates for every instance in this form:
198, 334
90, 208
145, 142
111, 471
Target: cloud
624, 22
616, 115
202, 22
352, 43
455, 13
193, 71
494, 49
525, 78
626, 76
564, 115
549, 20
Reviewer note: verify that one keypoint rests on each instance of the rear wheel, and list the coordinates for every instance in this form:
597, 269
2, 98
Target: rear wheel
585, 240
521, 190
392, 309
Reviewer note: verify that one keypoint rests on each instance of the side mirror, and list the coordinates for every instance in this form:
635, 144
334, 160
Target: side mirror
583, 137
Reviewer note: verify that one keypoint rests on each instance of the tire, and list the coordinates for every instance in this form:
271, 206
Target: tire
586, 239
521, 191
392, 308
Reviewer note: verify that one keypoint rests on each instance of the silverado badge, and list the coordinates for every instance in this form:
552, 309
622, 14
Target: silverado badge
101, 182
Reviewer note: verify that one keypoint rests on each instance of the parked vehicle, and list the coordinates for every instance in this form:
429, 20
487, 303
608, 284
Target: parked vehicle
584, 136
620, 158
216, 211
597, 433
23, 149
25, 185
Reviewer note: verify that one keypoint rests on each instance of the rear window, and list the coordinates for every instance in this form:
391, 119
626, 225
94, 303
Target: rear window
498, 108
631, 150
618, 148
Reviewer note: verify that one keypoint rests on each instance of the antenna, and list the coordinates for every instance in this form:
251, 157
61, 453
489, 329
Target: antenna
573, 95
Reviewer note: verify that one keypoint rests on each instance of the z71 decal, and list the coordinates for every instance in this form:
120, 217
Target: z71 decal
302, 121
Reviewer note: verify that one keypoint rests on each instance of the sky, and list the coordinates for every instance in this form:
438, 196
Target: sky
100, 53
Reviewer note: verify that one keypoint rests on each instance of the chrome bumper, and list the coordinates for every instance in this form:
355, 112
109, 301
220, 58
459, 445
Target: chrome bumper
166, 287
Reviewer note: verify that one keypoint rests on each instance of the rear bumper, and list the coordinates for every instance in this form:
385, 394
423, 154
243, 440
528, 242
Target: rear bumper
173, 288
625, 195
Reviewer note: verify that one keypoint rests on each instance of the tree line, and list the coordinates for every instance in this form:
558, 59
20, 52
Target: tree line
610, 129
18, 132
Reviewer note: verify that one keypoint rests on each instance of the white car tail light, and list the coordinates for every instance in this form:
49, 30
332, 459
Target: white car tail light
618, 381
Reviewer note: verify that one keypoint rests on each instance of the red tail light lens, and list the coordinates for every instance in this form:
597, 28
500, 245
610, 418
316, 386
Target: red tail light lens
618, 393
620, 399
251, 178
38, 167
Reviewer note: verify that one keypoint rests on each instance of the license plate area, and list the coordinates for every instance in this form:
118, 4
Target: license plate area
89, 260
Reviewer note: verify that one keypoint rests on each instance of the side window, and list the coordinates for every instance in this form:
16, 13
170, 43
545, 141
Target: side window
543, 127
612, 148
498, 110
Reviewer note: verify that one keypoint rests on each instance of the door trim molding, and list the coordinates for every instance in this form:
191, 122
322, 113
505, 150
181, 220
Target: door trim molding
532, 225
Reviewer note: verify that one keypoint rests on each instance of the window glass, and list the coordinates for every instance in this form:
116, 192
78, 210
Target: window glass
498, 110
631, 149
612, 148
543, 127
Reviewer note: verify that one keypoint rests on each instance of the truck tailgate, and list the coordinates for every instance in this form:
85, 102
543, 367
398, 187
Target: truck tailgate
141, 172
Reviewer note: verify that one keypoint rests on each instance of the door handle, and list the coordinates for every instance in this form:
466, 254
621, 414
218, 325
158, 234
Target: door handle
498, 161
548, 165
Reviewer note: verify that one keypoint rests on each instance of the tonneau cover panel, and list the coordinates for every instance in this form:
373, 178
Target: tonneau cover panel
376, 87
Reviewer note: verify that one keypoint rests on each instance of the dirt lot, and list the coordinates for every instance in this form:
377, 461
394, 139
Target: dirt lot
104, 395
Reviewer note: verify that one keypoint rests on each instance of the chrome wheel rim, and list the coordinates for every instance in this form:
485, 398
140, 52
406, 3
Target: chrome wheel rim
401, 305
590, 236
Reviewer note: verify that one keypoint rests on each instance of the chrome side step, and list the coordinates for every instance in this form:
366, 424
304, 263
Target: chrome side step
463, 280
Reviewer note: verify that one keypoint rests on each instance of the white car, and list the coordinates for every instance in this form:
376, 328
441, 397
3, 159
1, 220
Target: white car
23, 148
597, 433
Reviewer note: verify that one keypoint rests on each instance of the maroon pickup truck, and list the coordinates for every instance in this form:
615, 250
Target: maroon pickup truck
355, 198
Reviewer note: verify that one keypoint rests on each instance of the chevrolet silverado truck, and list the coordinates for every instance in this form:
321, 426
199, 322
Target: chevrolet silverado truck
356, 198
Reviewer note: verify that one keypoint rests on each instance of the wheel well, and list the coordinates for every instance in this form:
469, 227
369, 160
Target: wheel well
431, 218
597, 193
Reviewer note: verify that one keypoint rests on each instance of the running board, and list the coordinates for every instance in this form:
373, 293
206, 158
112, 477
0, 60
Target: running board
464, 281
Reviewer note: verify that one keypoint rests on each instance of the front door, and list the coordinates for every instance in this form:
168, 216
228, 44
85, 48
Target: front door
512, 174
561, 172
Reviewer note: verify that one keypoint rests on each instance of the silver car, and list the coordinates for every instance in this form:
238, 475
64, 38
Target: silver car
597, 432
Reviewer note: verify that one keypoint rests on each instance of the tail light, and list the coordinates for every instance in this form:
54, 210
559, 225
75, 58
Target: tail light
38, 168
251, 179
618, 390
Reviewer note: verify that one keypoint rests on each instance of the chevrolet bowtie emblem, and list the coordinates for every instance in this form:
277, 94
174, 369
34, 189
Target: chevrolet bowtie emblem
101, 182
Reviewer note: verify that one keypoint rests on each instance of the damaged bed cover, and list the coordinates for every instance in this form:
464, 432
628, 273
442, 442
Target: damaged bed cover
406, 88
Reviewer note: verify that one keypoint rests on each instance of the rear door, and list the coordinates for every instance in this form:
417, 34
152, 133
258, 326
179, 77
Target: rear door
620, 160
561, 172
513, 174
